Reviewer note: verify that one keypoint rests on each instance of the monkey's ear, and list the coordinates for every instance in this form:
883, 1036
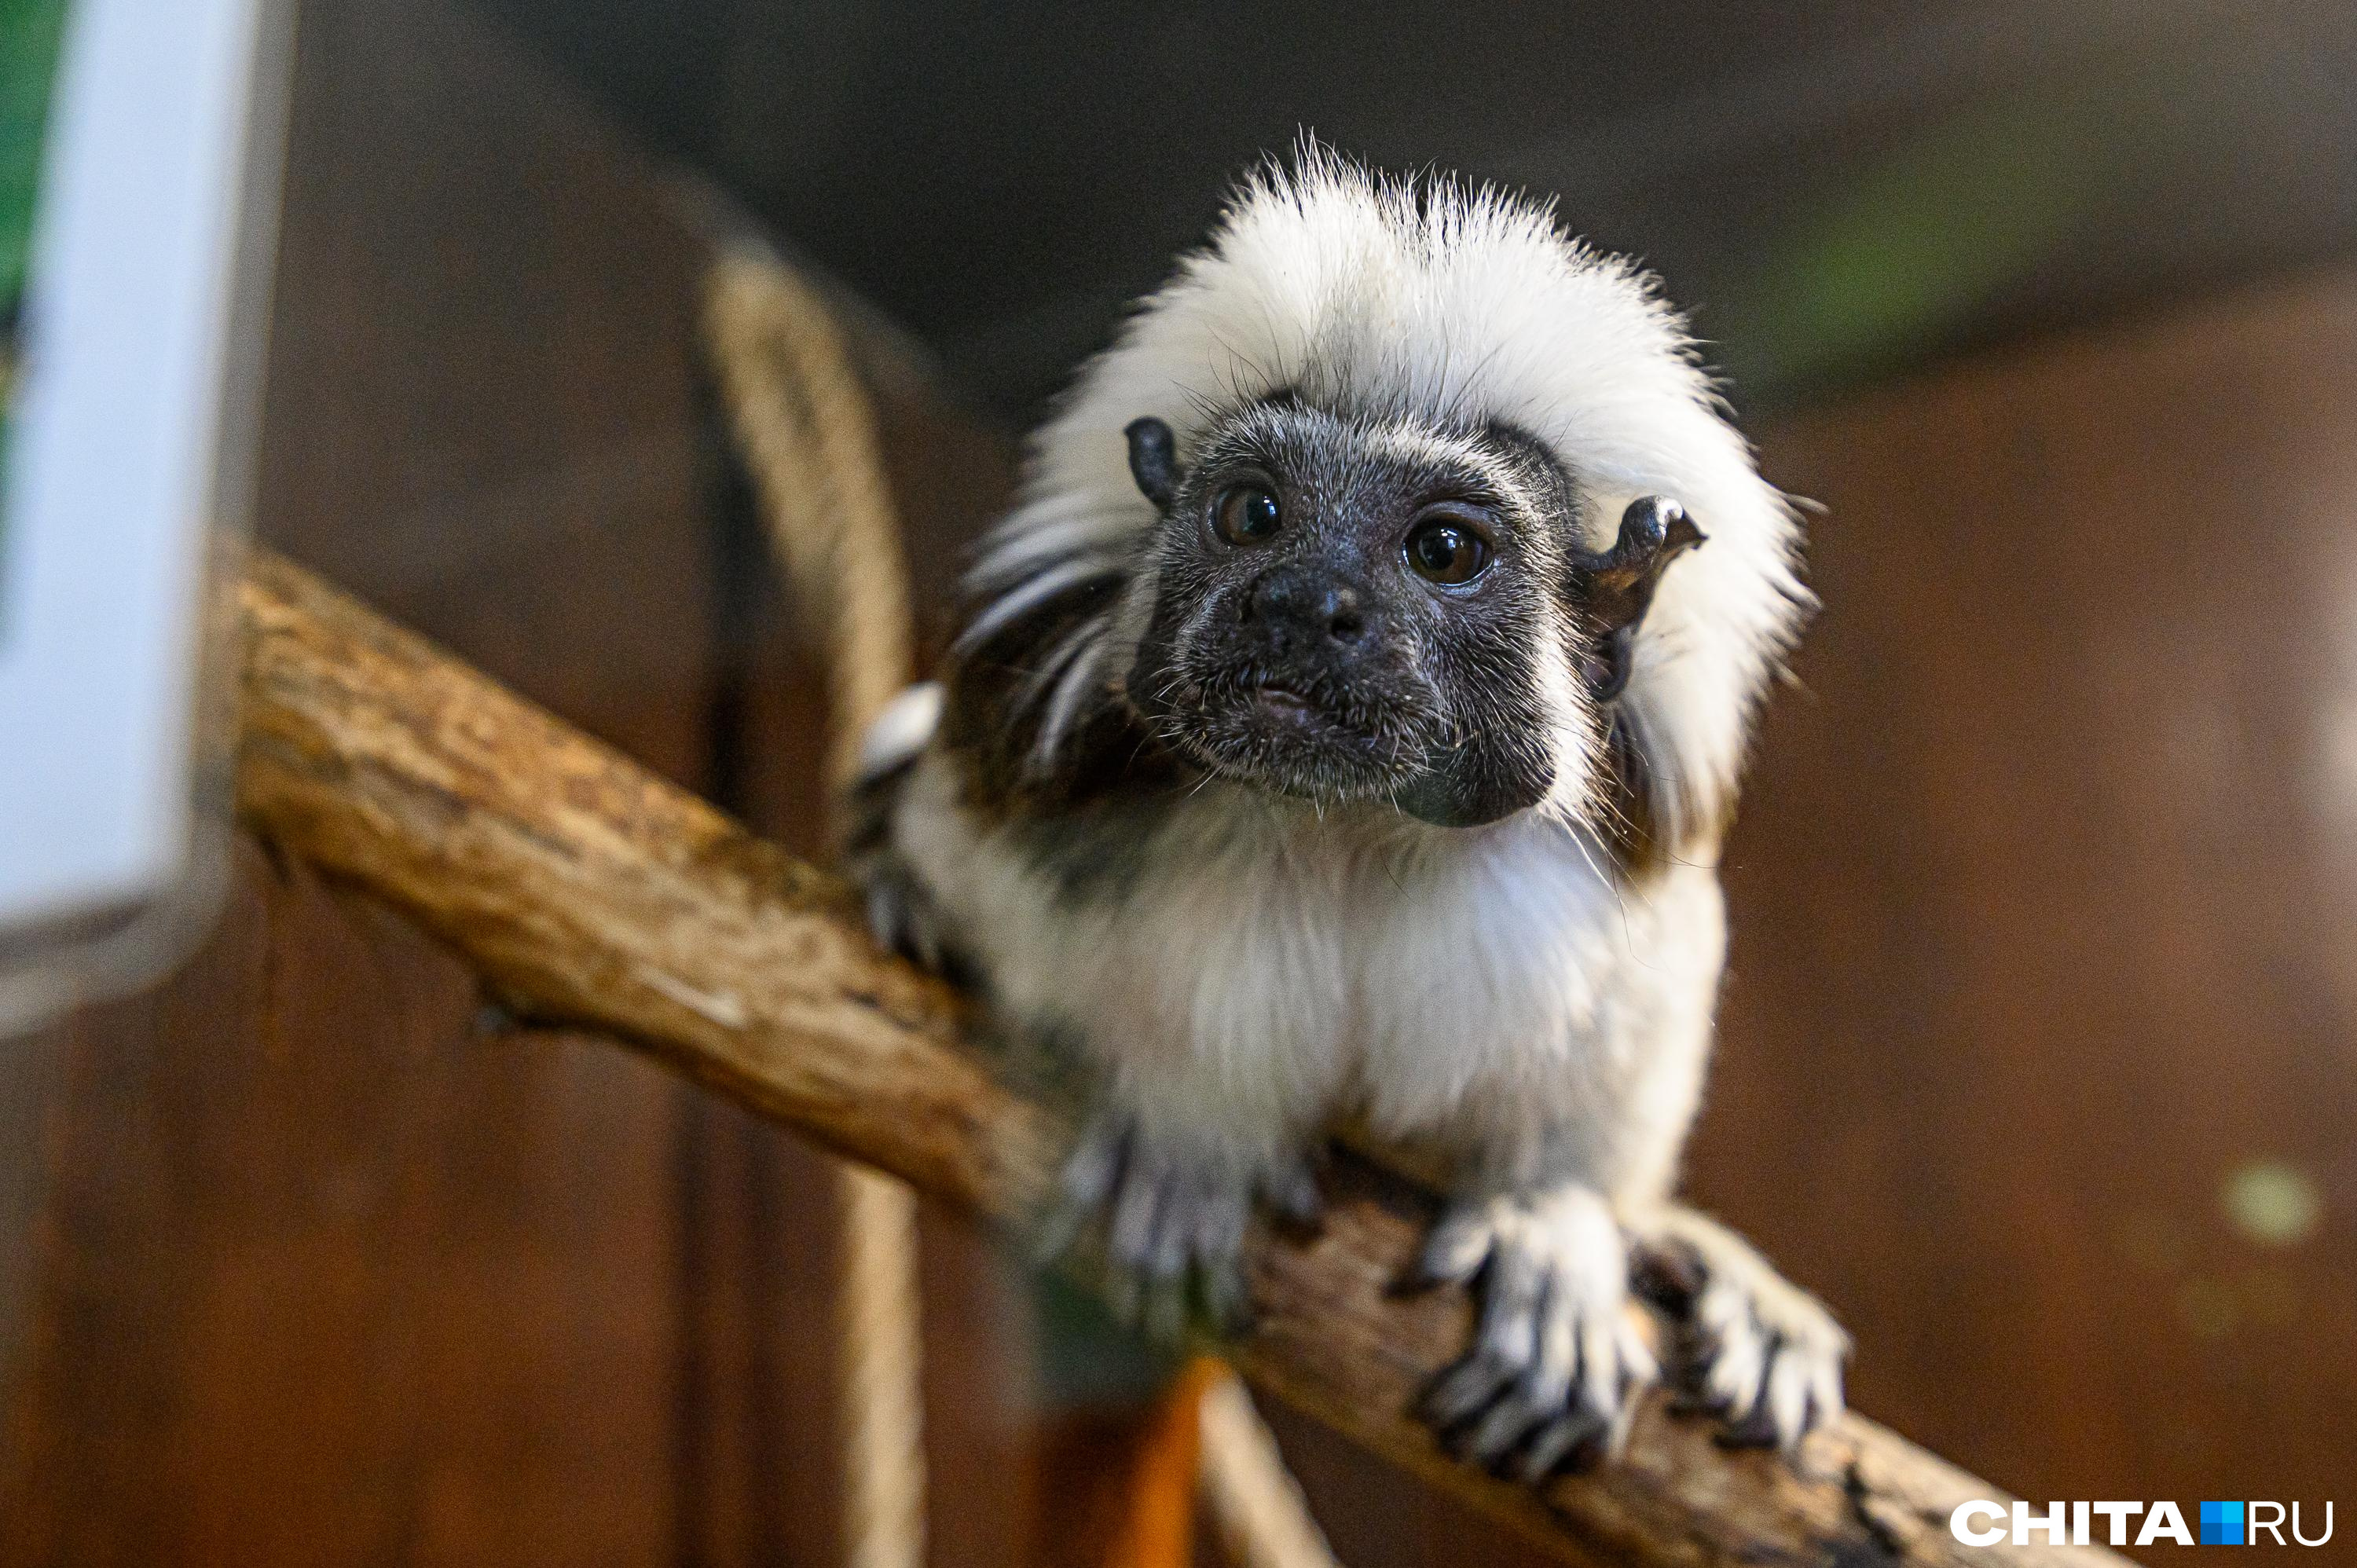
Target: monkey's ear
1154, 460
1619, 584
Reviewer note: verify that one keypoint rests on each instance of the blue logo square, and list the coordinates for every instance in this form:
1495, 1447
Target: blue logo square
2222, 1524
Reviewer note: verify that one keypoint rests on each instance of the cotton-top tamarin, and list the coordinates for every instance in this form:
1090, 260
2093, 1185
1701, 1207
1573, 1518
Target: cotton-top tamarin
1345, 722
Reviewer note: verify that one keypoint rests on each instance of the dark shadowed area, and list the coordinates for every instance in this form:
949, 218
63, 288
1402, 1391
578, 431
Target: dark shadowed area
1836, 189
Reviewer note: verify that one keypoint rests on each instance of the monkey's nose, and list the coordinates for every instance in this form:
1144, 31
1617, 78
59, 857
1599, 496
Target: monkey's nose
1322, 607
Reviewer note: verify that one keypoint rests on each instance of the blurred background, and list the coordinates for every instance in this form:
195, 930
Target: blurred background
2040, 1052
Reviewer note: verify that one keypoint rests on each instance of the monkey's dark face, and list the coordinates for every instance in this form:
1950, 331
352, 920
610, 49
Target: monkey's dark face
1356, 609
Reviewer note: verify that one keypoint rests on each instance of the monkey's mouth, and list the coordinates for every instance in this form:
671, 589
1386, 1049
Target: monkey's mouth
1297, 736
1283, 706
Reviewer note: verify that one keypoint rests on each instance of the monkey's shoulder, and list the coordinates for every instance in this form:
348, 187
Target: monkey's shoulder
1032, 722
1107, 762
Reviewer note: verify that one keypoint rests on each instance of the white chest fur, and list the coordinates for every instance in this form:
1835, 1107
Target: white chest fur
1258, 969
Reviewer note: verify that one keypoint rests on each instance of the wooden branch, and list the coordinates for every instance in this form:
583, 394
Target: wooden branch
596, 894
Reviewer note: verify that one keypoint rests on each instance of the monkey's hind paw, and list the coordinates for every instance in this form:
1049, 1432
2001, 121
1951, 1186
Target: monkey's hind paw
1557, 1359
1749, 1344
1175, 1223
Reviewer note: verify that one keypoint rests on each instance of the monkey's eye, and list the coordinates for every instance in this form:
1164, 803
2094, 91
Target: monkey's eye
1447, 549
1248, 514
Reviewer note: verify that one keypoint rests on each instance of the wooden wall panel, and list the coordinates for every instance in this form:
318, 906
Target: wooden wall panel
2045, 895
481, 402
326, 1278
321, 1275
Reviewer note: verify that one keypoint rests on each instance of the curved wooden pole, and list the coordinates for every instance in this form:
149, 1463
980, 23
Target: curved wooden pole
588, 891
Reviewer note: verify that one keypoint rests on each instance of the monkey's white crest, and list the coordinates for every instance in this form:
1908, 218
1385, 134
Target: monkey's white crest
1428, 300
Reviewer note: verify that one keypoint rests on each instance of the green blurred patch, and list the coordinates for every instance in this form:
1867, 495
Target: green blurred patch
1932, 233
30, 34
29, 31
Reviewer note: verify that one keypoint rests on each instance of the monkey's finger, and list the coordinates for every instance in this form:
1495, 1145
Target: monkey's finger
1755, 1427
1136, 1207
1464, 1389
1718, 1312
1532, 1405
1219, 1223
1788, 1398
1219, 1243
1457, 1246
1499, 1429
1572, 1442
1597, 1388
1089, 1174
1095, 1162
1825, 1400
1184, 1200
1738, 1366
1557, 1347
1175, 1218
1511, 1296
1614, 1438
1624, 1416
899, 920
1164, 1312
884, 919
1129, 1236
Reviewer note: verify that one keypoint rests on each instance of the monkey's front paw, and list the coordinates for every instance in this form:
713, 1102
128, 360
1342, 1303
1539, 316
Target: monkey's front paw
1749, 1345
1557, 1359
1175, 1221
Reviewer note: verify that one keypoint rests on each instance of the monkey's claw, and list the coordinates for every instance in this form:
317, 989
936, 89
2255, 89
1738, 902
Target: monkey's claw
1175, 1223
1557, 1359
1749, 1344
